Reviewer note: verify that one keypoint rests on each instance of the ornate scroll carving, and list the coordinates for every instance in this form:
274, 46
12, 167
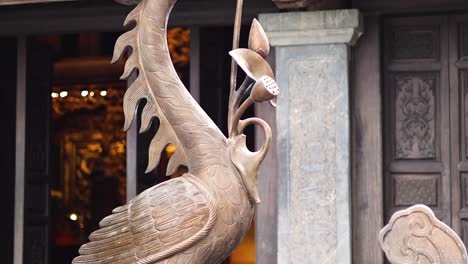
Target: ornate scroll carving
416, 236
415, 43
415, 114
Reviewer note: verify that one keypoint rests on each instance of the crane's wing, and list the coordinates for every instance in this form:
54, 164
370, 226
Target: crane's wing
157, 224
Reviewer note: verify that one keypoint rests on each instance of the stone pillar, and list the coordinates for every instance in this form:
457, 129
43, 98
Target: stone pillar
313, 133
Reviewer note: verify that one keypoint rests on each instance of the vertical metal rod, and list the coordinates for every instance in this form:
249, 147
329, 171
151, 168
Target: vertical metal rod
195, 62
20, 149
235, 45
132, 153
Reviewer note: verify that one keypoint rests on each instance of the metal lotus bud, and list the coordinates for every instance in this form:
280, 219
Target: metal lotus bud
258, 40
264, 89
254, 65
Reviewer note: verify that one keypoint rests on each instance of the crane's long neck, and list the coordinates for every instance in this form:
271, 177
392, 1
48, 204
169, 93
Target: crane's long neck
194, 128
170, 93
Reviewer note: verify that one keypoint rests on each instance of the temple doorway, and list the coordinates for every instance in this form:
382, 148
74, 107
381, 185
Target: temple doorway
78, 172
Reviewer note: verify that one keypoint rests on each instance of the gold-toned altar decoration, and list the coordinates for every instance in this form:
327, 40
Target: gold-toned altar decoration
87, 114
88, 142
203, 215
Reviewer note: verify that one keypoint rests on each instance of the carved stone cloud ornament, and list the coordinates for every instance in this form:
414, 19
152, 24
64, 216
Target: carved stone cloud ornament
416, 236
203, 215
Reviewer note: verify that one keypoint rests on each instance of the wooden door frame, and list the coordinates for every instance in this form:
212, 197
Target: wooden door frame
366, 118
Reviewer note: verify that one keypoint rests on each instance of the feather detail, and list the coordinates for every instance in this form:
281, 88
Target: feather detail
157, 224
143, 48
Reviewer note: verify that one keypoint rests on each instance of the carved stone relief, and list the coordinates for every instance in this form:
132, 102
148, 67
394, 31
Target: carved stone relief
416, 236
415, 115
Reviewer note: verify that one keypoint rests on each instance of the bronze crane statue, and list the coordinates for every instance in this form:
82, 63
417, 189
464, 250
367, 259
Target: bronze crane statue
203, 215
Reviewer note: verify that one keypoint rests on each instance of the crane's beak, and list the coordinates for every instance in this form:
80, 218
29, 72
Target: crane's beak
247, 164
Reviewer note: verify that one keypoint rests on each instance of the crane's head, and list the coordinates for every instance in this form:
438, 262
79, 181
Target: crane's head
246, 162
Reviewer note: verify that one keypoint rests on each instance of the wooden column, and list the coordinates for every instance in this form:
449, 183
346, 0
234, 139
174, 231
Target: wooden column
366, 120
266, 224
20, 150
32, 168
7, 152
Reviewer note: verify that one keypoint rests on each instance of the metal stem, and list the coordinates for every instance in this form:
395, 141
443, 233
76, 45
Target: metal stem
235, 45
238, 115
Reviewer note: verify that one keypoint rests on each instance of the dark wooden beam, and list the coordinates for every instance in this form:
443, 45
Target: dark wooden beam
404, 6
292, 4
311, 4
22, 2
79, 16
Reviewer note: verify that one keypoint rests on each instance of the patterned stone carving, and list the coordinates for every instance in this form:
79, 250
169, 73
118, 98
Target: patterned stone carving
414, 189
416, 236
415, 115
415, 43
319, 154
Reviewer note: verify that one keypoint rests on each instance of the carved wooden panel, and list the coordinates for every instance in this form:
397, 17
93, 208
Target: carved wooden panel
427, 87
464, 40
464, 94
464, 231
415, 115
415, 43
415, 189
459, 127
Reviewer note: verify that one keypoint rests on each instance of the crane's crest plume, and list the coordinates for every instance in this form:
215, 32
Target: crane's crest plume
140, 89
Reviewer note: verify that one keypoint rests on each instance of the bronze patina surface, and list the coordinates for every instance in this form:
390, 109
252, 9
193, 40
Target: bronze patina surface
203, 215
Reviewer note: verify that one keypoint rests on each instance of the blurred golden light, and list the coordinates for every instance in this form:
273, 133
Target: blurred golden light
91, 94
54, 95
63, 94
170, 149
84, 93
73, 216
103, 93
